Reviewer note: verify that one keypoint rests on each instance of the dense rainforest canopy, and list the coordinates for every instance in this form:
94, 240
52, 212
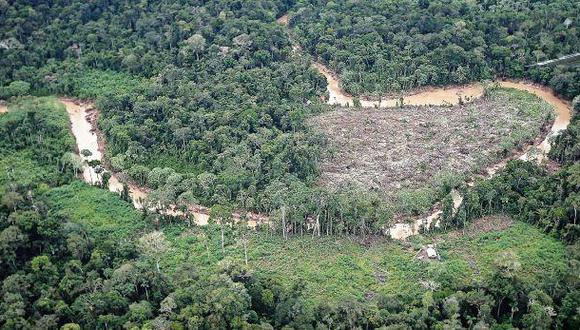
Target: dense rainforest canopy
207, 89
379, 46
74, 256
208, 101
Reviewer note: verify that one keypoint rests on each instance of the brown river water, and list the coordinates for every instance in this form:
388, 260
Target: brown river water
87, 138
537, 152
429, 96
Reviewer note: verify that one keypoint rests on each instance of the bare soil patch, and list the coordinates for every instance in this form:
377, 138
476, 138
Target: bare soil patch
3, 107
484, 225
489, 223
284, 20
390, 149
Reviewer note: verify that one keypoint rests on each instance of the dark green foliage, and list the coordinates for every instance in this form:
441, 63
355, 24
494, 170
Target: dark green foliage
206, 100
206, 88
565, 146
16, 88
389, 46
527, 192
51, 270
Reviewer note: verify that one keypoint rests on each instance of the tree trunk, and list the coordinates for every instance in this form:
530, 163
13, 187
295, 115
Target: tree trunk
245, 250
207, 251
499, 307
222, 236
284, 222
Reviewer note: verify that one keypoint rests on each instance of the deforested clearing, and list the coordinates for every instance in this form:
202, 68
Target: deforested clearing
393, 149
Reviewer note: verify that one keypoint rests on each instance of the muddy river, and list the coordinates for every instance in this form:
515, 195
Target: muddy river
81, 115
538, 152
87, 138
428, 96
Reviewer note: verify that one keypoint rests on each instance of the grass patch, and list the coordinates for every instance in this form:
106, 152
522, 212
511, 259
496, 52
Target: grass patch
334, 268
540, 255
92, 83
21, 169
34, 134
101, 212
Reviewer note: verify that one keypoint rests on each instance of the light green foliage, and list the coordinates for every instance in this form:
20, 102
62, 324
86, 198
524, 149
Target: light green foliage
15, 88
101, 212
539, 255
34, 135
333, 268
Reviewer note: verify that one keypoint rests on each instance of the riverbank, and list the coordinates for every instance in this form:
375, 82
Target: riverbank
536, 151
88, 137
443, 96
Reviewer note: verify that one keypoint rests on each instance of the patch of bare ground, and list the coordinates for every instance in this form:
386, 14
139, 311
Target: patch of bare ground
3, 106
484, 225
284, 19
394, 149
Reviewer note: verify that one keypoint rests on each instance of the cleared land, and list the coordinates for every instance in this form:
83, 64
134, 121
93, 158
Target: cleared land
390, 149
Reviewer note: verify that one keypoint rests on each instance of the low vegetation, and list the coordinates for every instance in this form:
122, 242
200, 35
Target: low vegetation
333, 269
101, 212
34, 136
